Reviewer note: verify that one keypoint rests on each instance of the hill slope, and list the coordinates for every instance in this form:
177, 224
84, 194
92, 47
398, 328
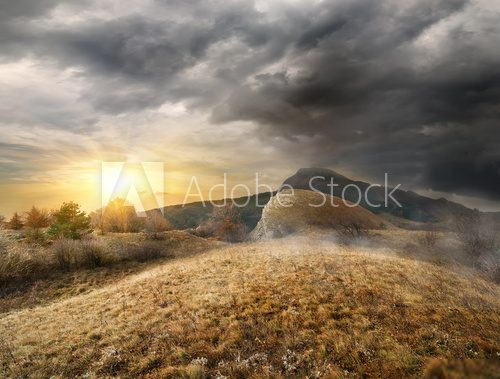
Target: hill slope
289, 212
282, 308
417, 211
192, 215
415, 207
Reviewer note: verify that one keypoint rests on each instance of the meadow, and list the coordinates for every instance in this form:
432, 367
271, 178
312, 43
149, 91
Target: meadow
388, 305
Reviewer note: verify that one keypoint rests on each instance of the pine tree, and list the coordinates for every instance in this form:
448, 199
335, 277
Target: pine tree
37, 218
15, 223
70, 222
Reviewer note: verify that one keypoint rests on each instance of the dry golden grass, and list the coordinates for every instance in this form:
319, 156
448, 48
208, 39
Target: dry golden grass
299, 211
39, 278
296, 307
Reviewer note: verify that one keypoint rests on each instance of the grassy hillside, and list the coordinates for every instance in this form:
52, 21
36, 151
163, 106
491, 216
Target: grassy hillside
193, 214
417, 212
295, 307
414, 207
31, 275
300, 210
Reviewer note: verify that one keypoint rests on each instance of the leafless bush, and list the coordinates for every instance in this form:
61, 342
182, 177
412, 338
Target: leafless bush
476, 237
225, 224
92, 254
3, 244
65, 252
490, 266
428, 238
35, 236
353, 230
146, 250
350, 232
18, 264
156, 224
87, 253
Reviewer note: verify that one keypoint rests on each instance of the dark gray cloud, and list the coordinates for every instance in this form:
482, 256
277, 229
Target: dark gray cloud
363, 94
25, 8
410, 87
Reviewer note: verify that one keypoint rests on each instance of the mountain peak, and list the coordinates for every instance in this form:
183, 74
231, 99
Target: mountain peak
412, 206
318, 171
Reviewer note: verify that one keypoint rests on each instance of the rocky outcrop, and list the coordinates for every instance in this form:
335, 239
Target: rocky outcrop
294, 211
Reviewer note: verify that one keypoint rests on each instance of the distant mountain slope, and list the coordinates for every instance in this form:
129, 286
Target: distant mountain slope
303, 210
414, 206
415, 210
193, 214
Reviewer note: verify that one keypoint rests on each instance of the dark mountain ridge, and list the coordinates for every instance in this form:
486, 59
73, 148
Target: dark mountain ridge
414, 207
416, 211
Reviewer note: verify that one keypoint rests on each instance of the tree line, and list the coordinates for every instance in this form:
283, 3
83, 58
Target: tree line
69, 221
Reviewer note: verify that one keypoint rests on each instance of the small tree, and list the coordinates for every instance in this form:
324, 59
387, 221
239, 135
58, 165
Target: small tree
15, 223
118, 216
35, 220
97, 220
70, 222
225, 224
353, 230
2, 221
155, 224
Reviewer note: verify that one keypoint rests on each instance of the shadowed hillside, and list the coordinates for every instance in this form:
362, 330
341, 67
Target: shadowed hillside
194, 214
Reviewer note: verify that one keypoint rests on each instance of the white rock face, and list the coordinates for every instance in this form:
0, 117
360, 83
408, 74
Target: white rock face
268, 227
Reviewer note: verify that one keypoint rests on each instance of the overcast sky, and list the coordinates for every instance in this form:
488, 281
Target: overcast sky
408, 87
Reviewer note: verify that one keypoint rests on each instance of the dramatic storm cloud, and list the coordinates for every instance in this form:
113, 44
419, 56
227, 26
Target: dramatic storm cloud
409, 87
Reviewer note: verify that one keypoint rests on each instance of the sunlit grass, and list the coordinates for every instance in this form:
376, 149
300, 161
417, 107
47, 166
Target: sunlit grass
286, 308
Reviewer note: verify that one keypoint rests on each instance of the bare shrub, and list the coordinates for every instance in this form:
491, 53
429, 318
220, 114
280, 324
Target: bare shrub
18, 264
225, 224
92, 254
428, 239
489, 265
37, 218
65, 252
476, 237
352, 230
146, 250
155, 224
3, 243
35, 236
86, 253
